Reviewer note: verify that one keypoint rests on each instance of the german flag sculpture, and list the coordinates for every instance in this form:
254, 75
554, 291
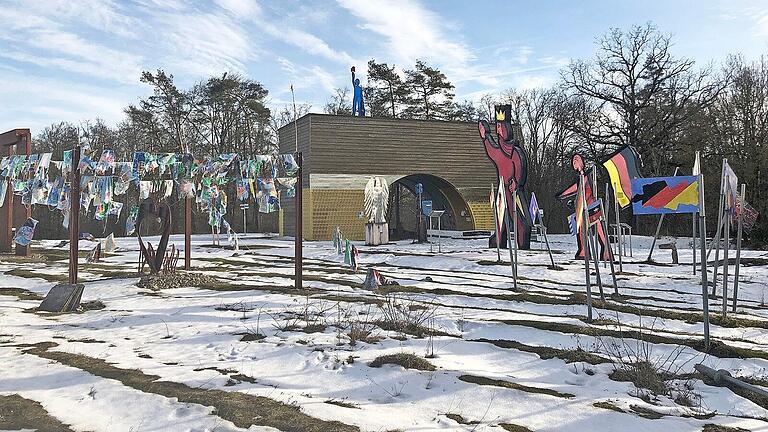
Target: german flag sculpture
623, 167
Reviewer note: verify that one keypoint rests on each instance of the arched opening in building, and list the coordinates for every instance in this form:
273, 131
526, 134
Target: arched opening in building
403, 209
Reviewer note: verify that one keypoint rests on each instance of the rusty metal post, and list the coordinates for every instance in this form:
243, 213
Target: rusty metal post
26, 142
299, 234
74, 215
7, 244
187, 233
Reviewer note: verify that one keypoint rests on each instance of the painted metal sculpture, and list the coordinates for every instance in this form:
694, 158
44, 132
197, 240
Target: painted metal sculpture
358, 106
162, 212
511, 161
595, 213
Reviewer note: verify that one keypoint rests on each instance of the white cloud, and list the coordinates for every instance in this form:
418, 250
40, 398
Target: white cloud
43, 42
53, 100
411, 31
206, 43
240, 8
307, 42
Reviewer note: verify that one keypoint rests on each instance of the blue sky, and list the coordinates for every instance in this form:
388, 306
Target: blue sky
72, 60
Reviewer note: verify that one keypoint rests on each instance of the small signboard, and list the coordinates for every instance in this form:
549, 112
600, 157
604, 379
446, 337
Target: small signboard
426, 207
244, 206
419, 188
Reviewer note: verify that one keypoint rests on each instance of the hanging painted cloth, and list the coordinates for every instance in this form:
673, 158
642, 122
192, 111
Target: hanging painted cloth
145, 187
39, 191
33, 162
26, 193
115, 208
290, 167
242, 189
54, 193
138, 164
130, 223
86, 163
63, 199
66, 163
25, 234
5, 167
3, 189
167, 188
186, 188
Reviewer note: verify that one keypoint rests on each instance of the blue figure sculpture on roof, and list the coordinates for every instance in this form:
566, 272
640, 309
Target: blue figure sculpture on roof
358, 107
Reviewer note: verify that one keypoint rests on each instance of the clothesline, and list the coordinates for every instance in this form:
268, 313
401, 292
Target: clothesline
264, 178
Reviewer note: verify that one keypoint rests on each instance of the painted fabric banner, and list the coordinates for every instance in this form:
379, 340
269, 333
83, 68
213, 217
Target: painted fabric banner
731, 187
533, 208
501, 206
750, 215
622, 167
26, 232
661, 195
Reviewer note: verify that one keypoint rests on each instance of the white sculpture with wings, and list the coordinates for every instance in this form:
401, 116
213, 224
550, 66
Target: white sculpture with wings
376, 200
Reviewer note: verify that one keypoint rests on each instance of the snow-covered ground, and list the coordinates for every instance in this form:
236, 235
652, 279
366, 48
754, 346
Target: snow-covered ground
478, 331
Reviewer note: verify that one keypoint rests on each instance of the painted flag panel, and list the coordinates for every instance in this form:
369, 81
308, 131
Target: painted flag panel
501, 206
595, 215
750, 215
661, 195
533, 208
731, 187
623, 167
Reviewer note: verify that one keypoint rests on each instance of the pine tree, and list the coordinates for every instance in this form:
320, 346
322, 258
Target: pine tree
430, 93
385, 91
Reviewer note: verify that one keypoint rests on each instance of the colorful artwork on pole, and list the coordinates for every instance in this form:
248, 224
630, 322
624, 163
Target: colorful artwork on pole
750, 215
595, 212
533, 208
622, 168
731, 183
511, 161
662, 195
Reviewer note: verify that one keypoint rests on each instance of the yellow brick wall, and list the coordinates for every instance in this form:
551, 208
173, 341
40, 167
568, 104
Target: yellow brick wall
329, 208
483, 214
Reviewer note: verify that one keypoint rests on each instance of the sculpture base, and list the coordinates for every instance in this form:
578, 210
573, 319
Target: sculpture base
376, 233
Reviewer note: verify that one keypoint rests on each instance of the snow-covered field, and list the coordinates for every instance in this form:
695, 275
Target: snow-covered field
250, 353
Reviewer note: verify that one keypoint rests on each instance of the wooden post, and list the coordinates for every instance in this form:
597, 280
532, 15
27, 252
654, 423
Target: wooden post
74, 215
738, 246
703, 250
187, 233
298, 235
20, 249
7, 244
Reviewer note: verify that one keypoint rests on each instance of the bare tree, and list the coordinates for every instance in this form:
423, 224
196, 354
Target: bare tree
339, 103
643, 94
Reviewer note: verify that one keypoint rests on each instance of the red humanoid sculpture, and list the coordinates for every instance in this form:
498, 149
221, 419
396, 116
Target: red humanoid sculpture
511, 162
